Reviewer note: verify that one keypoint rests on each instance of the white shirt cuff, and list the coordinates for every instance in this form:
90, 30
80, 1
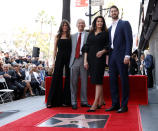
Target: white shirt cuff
127, 56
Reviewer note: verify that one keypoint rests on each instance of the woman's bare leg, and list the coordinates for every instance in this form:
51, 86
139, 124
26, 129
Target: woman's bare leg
29, 87
98, 92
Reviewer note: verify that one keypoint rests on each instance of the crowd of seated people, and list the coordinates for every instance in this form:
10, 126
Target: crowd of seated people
25, 77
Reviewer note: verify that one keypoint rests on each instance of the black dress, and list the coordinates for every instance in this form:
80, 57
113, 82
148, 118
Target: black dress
94, 44
57, 94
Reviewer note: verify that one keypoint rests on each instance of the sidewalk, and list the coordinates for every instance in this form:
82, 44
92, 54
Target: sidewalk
23, 107
149, 113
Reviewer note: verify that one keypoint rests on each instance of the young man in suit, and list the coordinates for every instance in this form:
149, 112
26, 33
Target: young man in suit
121, 40
77, 66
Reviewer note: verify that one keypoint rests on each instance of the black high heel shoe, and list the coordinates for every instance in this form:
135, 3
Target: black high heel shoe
49, 106
99, 106
92, 110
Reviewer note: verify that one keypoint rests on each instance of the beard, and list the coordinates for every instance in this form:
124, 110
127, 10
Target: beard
115, 17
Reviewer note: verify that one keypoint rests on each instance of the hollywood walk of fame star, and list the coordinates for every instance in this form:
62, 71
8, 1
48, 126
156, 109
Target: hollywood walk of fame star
79, 121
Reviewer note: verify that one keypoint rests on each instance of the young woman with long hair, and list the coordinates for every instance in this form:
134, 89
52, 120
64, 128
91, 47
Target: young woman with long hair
59, 96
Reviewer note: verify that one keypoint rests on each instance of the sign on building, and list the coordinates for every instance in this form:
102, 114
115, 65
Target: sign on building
97, 2
81, 3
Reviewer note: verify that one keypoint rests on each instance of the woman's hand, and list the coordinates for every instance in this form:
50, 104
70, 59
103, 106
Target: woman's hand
86, 65
19, 73
53, 65
99, 54
141, 67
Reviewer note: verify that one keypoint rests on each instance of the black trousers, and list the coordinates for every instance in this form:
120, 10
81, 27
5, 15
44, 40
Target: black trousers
150, 77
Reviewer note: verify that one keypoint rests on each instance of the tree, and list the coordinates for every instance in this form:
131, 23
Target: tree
22, 39
42, 18
26, 41
51, 22
66, 10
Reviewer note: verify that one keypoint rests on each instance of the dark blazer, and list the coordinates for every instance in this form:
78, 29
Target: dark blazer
122, 43
9, 80
149, 62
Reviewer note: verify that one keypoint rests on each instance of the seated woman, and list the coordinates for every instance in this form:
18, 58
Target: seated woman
33, 78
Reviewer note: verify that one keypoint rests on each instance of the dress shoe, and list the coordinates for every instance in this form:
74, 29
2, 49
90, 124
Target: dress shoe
32, 95
113, 108
122, 109
90, 110
66, 105
85, 105
49, 106
74, 107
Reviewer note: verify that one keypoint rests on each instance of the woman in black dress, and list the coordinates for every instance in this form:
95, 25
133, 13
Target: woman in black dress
95, 58
59, 96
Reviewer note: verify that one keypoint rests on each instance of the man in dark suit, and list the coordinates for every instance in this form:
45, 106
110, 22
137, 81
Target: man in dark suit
149, 66
9, 80
121, 40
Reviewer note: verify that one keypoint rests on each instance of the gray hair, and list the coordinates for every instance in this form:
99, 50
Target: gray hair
5, 65
79, 21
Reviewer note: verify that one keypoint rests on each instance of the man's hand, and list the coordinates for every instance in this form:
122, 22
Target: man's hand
6, 75
126, 60
1, 76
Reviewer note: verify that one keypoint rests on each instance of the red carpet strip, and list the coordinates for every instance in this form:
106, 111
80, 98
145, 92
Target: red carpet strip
129, 121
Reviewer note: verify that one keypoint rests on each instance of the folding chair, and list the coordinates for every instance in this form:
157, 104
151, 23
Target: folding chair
5, 94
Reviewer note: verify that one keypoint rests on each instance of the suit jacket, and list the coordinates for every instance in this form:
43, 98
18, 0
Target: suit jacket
123, 39
74, 44
149, 62
9, 80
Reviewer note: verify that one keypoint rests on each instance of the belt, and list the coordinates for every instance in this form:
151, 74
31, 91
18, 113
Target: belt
79, 56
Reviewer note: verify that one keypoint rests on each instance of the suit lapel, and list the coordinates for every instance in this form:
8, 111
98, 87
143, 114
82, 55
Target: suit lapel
117, 28
110, 35
85, 37
76, 39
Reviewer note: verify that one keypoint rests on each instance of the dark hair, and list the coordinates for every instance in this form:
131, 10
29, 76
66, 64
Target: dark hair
114, 6
60, 31
6, 53
104, 28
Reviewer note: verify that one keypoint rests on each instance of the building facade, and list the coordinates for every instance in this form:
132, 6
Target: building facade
148, 32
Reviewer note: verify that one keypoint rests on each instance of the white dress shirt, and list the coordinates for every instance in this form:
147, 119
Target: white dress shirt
28, 76
113, 29
82, 40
